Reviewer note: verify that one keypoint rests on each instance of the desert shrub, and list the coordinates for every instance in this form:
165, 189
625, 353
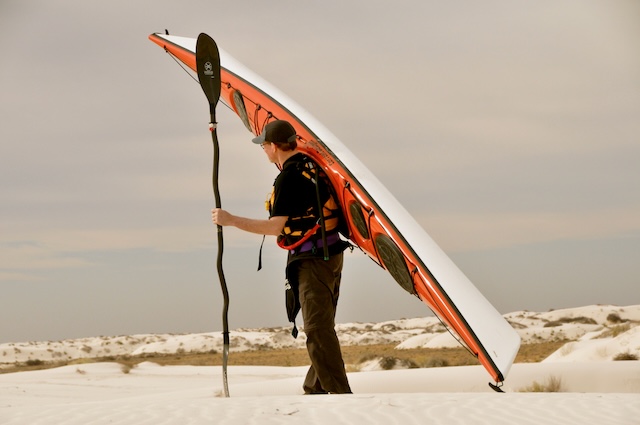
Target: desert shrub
615, 331
552, 385
620, 329
626, 356
436, 362
389, 327
567, 349
352, 368
614, 318
367, 357
388, 363
516, 325
410, 364
34, 362
580, 319
126, 367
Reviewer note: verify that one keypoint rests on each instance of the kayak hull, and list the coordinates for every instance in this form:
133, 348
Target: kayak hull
378, 224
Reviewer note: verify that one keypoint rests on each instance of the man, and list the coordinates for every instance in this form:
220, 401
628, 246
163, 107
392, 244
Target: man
294, 200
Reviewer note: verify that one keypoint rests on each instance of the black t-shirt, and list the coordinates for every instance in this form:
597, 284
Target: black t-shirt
294, 195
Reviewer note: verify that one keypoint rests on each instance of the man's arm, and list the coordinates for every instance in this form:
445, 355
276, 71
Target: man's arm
272, 226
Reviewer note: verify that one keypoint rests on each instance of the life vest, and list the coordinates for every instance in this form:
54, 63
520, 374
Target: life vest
308, 226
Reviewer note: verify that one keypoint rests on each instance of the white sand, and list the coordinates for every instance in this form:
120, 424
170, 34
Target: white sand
101, 393
594, 389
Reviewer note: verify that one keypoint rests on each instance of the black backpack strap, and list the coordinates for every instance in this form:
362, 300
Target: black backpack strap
260, 253
320, 214
292, 297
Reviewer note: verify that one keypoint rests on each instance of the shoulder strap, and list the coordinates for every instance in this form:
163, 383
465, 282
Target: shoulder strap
260, 253
320, 215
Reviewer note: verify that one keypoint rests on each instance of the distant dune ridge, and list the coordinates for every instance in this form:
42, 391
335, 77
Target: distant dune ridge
598, 332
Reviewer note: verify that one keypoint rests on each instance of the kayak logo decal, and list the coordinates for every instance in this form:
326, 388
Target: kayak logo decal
208, 69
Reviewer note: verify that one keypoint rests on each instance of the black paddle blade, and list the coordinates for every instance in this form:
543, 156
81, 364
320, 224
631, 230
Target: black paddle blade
208, 67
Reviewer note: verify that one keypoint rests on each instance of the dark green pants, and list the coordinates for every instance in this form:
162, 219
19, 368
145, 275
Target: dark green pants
319, 287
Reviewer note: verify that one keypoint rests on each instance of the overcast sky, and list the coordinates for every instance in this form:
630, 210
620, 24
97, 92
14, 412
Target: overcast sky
509, 129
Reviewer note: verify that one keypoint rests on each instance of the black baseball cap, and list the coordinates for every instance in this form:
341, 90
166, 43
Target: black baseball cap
278, 131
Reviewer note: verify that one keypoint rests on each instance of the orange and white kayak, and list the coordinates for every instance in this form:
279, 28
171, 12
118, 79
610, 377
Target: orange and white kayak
378, 224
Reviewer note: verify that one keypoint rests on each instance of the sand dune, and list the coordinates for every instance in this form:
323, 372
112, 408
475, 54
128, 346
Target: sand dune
581, 324
591, 388
102, 393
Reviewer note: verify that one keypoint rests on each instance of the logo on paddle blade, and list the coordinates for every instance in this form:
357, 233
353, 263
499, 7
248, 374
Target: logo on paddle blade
208, 69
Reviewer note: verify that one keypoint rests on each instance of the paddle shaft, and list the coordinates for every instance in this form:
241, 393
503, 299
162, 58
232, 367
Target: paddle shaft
208, 69
225, 292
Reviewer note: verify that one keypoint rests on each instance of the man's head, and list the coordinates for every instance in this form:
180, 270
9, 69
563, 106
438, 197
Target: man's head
280, 133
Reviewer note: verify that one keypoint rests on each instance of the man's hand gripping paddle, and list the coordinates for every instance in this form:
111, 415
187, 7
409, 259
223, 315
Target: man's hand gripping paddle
208, 67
